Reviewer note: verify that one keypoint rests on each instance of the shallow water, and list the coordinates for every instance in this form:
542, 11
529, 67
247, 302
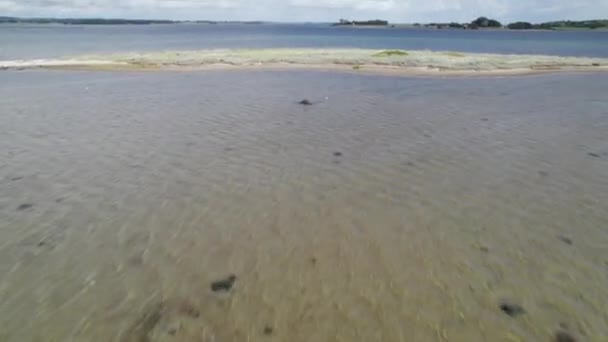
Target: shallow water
53, 41
393, 209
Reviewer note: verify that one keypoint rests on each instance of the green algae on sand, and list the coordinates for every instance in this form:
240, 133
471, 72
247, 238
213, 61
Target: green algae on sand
390, 53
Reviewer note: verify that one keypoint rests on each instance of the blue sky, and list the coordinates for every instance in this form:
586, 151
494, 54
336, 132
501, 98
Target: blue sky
401, 11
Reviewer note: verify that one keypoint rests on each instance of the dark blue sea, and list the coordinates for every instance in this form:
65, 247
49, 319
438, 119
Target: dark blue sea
45, 41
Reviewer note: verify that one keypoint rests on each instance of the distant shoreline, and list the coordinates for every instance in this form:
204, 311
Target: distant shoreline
356, 60
480, 23
345, 27
101, 21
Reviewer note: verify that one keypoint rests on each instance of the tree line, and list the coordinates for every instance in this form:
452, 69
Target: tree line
483, 22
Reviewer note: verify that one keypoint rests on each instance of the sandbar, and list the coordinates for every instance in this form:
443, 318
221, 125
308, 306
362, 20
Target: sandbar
408, 62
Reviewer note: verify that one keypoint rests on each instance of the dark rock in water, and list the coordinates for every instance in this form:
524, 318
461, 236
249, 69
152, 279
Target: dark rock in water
189, 310
24, 206
512, 309
484, 119
565, 239
563, 336
305, 102
16, 178
268, 330
337, 154
595, 64
224, 284
594, 155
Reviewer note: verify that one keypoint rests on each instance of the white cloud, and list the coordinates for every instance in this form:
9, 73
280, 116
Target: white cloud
375, 5
112, 4
315, 10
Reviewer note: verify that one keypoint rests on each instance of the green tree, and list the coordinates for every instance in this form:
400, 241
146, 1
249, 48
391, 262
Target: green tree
485, 22
520, 25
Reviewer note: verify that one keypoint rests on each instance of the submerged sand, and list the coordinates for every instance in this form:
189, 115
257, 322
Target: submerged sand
393, 209
360, 60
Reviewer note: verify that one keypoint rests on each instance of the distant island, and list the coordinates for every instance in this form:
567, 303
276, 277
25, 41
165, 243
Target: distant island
376, 22
486, 23
101, 21
83, 21
564, 24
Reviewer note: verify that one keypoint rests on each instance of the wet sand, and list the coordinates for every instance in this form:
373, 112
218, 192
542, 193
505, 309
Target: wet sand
212, 206
360, 60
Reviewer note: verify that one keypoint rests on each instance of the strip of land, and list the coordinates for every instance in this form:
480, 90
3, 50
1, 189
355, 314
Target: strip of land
479, 23
359, 60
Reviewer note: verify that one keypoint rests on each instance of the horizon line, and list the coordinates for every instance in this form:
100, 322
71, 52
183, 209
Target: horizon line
265, 21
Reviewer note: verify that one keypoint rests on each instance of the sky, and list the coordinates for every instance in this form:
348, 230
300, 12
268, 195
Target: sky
396, 11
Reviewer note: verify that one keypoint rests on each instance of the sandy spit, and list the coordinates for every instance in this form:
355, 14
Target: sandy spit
355, 60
